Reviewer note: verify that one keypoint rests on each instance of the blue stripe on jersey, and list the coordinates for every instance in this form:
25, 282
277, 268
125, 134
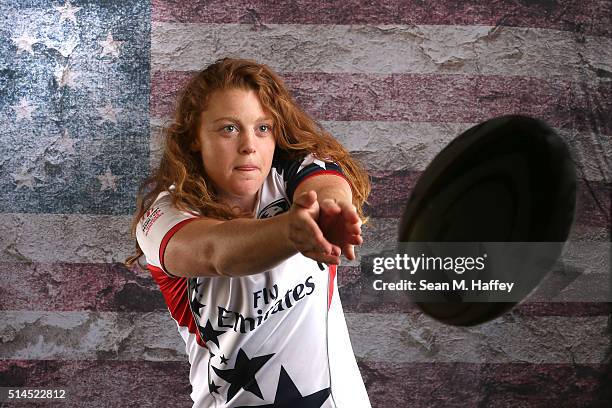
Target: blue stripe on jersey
286, 167
305, 172
292, 177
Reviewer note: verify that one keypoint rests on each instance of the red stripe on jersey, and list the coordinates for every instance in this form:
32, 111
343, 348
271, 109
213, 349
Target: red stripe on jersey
332, 276
175, 294
164, 242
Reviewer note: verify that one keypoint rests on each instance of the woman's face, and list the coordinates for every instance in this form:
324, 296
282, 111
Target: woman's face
236, 144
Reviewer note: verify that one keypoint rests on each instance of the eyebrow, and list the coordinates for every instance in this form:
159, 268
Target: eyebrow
236, 119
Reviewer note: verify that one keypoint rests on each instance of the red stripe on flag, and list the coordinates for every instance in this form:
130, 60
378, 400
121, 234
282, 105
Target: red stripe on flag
429, 98
119, 291
487, 385
391, 191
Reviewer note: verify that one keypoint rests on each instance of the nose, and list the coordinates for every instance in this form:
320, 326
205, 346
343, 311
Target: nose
247, 142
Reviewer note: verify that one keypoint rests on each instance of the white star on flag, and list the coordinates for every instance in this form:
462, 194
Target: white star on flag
24, 43
67, 12
68, 48
107, 180
110, 46
108, 113
24, 109
24, 179
65, 77
66, 143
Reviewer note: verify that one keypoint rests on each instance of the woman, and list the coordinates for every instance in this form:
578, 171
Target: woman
243, 241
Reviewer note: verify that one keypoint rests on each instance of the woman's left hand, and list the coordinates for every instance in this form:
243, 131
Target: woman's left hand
341, 225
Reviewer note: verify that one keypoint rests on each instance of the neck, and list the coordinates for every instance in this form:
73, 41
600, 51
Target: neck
241, 205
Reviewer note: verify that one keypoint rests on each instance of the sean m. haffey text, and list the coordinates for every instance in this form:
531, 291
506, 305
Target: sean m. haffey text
458, 265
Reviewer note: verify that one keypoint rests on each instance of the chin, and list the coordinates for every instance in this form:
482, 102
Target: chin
247, 189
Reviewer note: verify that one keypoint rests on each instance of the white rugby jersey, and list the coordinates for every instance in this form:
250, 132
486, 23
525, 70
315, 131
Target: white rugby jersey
273, 339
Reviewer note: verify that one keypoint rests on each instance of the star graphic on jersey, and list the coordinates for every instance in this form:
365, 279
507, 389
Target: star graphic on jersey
288, 396
209, 333
243, 374
223, 359
196, 306
211, 354
194, 284
212, 388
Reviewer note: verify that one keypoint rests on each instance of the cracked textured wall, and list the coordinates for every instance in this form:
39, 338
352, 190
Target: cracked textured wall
85, 88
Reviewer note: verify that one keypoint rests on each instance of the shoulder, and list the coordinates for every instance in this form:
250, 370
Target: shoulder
291, 172
304, 164
157, 225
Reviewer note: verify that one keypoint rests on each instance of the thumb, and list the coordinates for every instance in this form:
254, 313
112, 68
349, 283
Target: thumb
306, 199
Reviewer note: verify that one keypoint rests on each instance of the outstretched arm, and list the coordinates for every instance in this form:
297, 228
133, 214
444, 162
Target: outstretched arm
208, 247
322, 224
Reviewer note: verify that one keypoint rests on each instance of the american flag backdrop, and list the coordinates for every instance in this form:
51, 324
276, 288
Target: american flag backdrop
85, 87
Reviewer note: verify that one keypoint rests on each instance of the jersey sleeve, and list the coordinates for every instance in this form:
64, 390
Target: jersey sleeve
296, 171
161, 221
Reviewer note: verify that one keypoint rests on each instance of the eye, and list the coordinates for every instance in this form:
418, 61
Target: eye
267, 128
229, 126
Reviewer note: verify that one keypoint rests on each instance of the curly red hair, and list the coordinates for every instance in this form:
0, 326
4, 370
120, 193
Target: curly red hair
296, 135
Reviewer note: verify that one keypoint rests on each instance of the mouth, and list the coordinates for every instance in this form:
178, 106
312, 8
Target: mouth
247, 167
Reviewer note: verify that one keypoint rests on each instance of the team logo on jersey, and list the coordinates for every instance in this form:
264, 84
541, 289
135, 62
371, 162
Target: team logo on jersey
150, 217
274, 208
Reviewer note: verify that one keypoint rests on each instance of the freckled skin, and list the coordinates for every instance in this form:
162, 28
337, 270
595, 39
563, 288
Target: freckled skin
237, 153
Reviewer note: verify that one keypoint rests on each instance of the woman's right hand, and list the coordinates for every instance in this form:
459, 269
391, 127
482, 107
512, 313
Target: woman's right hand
304, 232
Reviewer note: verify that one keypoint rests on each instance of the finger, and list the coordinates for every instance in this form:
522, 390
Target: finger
323, 258
317, 237
306, 235
354, 240
329, 206
347, 206
350, 214
349, 252
351, 228
306, 242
